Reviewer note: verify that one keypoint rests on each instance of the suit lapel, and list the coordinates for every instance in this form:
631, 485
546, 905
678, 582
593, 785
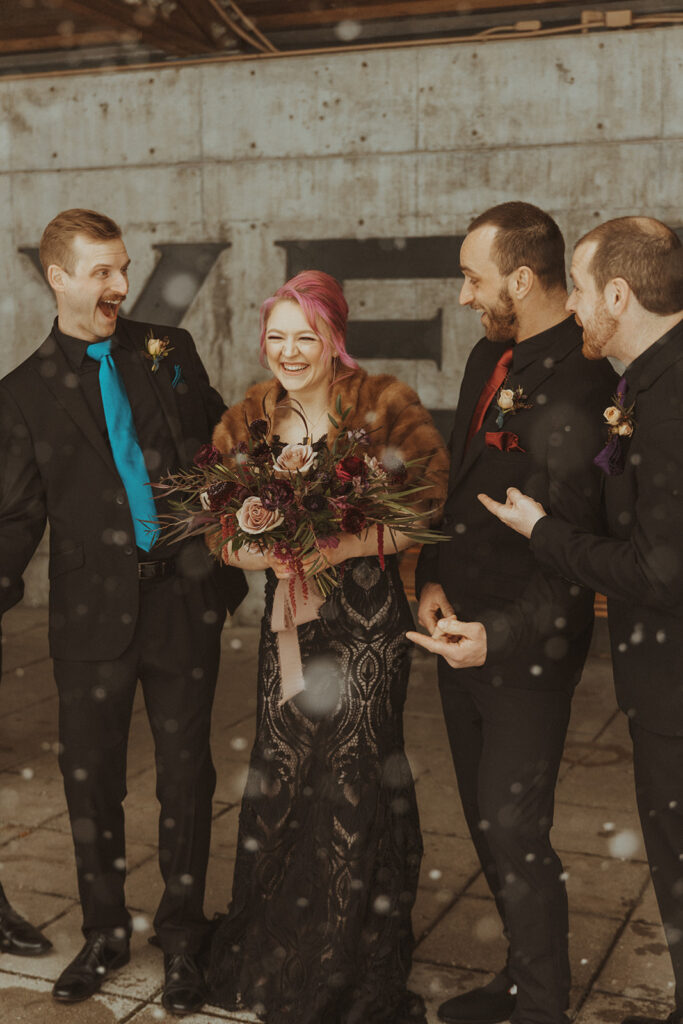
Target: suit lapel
531, 378
462, 459
56, 374
159, 382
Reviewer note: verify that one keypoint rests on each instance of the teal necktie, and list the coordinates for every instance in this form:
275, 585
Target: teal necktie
125, 446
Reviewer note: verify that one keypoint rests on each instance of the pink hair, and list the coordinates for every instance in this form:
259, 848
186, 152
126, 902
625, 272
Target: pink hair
321, 299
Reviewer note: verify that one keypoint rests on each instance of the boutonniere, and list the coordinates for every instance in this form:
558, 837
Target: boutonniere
510, 401
157, 349
620, 424
619, 418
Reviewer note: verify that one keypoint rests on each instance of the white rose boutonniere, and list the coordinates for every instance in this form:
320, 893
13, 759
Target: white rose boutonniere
157, 349
510, 401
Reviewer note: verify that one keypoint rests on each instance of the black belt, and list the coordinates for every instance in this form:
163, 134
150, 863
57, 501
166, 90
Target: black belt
156, 570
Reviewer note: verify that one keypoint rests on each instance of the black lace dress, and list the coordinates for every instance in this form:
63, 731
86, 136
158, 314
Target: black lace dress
329, 847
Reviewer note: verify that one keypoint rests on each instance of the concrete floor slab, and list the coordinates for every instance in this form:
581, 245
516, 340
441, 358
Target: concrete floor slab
639, 967
618, 956
27, 1000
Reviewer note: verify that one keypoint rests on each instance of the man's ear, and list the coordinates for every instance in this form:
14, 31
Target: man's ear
55, 277
521, 282
617, 296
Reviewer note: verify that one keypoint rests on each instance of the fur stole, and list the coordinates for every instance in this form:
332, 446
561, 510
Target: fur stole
397, 422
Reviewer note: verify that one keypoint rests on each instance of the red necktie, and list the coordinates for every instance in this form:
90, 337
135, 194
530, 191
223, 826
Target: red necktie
492, 384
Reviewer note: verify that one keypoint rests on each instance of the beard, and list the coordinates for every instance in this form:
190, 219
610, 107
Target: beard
597, 332
502, 319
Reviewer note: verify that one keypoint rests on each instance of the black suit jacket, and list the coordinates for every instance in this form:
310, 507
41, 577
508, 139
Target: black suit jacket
637, 560
538, 625
56, 466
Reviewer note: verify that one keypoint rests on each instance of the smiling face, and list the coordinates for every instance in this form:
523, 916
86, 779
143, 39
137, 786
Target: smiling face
295, 352
89, 297
485, 288
589, 307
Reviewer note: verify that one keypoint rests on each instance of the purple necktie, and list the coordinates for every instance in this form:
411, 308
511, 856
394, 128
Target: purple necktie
610, 459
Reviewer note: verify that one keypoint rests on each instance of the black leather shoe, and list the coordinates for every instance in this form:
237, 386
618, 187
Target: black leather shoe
17, 935
83, 977
184, 988
490, 1004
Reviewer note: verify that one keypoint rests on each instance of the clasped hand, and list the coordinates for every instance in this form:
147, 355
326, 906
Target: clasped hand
462, 644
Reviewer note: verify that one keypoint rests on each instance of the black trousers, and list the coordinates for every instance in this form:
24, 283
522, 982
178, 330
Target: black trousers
174, 654
658, 770
506, 745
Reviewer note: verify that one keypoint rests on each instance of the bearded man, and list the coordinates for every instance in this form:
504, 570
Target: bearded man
628, 297
528, 415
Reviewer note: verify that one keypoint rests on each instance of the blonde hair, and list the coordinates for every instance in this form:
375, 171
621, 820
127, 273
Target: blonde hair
56, 243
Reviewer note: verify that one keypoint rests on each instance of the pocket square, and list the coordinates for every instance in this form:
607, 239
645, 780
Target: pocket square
177, 376
503, 440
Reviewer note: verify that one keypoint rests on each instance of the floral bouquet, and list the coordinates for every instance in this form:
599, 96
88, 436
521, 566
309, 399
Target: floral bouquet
293, 499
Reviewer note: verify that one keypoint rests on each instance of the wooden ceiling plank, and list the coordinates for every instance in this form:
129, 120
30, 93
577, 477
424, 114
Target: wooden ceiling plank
160, 34
60, 41
271, 19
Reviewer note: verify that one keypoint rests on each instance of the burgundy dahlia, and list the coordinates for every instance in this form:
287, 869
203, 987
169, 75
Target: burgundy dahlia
208, 455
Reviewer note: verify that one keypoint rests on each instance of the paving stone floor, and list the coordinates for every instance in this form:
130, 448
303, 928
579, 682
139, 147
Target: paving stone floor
619, 959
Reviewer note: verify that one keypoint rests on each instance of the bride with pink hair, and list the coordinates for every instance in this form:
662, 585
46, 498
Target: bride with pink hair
329, 845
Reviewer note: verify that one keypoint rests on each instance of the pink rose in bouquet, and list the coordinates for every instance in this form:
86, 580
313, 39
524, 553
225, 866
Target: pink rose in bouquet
295, 458
254, 518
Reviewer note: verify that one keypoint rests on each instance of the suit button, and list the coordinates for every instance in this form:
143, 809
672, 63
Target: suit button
129, 549
120, 500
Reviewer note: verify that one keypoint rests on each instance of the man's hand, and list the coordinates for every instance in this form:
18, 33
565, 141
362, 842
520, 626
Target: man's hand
520, 512
433, 605
462, 644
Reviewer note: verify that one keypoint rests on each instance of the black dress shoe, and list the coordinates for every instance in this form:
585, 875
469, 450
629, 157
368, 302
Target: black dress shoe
184, 988
17, 935
490, 1004
83, 977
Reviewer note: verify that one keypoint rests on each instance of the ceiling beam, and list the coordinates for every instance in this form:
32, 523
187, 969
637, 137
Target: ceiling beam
178, 39
269, 18
60, 41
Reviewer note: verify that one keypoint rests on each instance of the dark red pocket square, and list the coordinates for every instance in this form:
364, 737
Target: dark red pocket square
503, 440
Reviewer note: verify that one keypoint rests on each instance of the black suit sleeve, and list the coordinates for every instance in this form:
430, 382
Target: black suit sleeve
211, 399
646, 568
551, 604
427, 568
22, 501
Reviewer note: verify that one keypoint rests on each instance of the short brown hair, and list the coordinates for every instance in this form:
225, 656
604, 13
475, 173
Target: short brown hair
56, 243
646, 254
526, 237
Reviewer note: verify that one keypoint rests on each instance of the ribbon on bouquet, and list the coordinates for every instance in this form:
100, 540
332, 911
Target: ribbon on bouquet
285, 618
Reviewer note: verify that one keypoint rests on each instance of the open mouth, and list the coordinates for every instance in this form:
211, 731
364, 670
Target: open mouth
295, 368
110, 307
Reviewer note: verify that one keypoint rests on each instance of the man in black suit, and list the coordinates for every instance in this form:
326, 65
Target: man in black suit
526, 413
124, 604
628, 297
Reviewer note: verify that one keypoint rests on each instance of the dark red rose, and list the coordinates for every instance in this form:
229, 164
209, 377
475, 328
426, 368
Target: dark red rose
352, 520
261, 453
217, 496
277, 495
258, 429
350, 467
208, 455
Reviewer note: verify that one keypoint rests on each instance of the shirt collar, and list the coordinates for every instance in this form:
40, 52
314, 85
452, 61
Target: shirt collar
541, 345
649, 364
75, 349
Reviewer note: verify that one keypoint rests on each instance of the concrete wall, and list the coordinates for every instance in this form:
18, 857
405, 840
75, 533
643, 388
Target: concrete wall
388, 145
